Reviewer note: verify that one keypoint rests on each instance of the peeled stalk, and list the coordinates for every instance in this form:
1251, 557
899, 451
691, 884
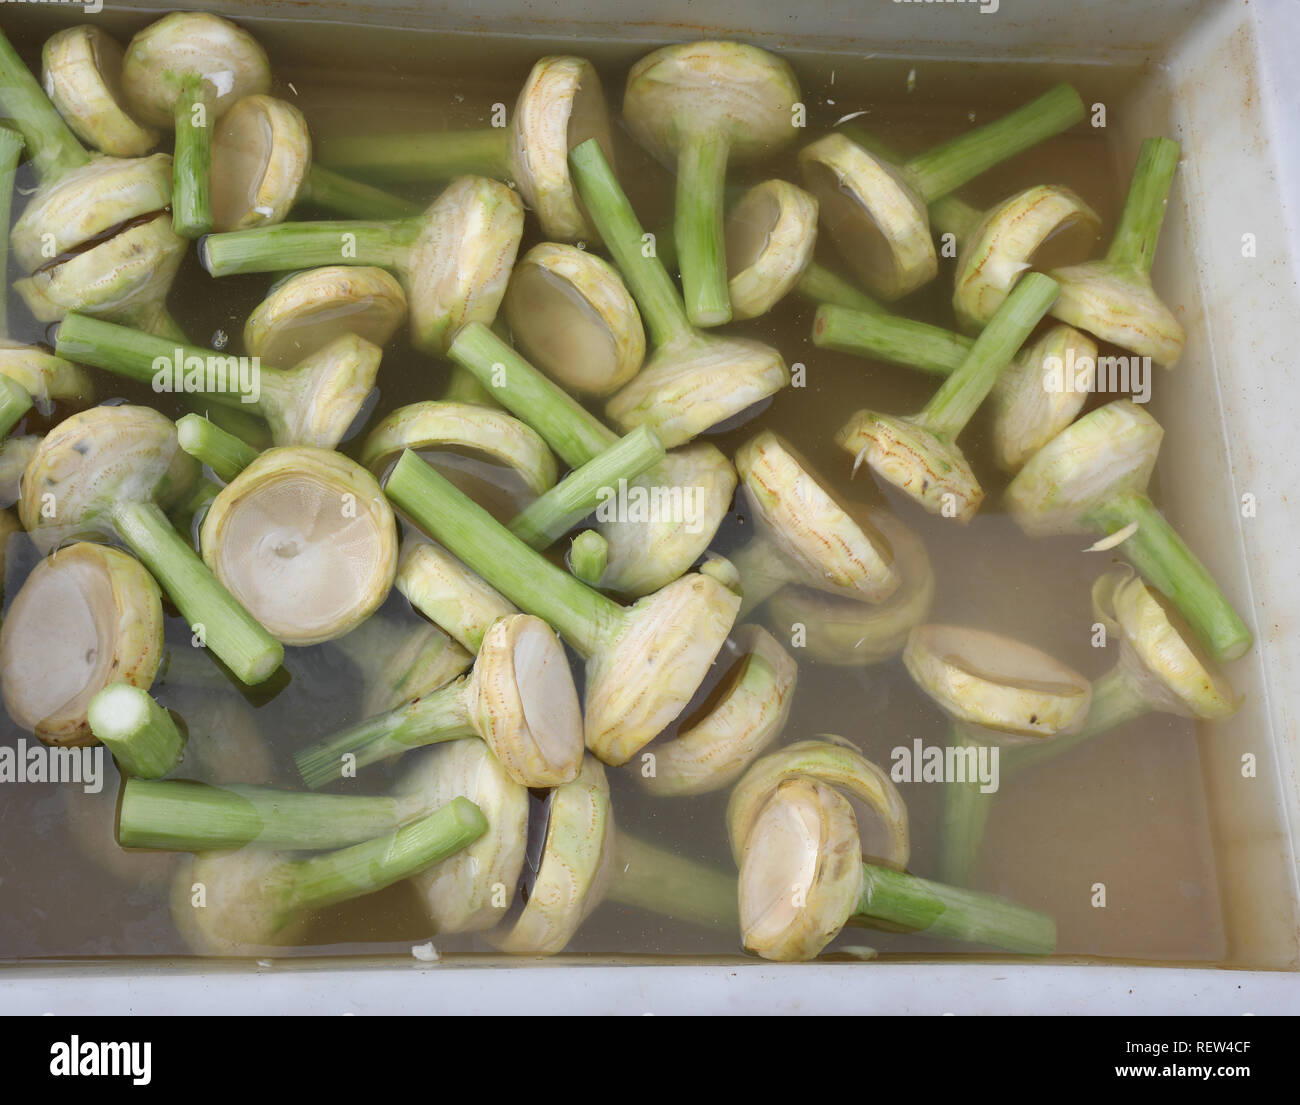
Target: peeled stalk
235, 903
185, 71
692, 381
919, 455
182, 816
644, 661
875, 212
1113, 298
701, 106
454, 260
109, 471
519, 698
312, 404
1092, 477
560, 106
142, 736
207, 443
802, 880
644, 553
262, 168
1040, 394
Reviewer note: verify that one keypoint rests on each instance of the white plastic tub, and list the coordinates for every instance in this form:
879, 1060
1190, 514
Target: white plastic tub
1219, 75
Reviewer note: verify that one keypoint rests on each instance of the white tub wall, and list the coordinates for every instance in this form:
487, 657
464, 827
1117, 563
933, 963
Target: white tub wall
1215, 50
1239, 313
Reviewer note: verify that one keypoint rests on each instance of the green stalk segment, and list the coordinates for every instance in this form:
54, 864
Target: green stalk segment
888, 338
575, 434
53, 147
141, 735
176, 816
224, 453
15, 402
650, 878
338, 193
192, 159
308, 246
1134, 244
419, 157
947, 167
961, 394
619, 228
952, 913
821, 285
226, 628
364, 868
136, 355
556, 511
583, 616
11, 149
440, 716
589, 557
699, 230
1165, 561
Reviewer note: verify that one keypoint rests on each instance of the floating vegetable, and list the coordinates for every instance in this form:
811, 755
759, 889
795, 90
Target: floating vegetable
116, 253
143, 737
261, 168
692, 381
644, 661
875, 212
453, 261
307, 311
881, 820
748, 716
646, 548
919, 455
1113, 298
85, 617
305, 541
110, 471
805, 535
770, 234
185, 71
1040, 394
849, 633
519, 698
314, 403
253, 899
1092, 477
802, 879
701, 105
559, 107
81, 70
1160, 670
573, 317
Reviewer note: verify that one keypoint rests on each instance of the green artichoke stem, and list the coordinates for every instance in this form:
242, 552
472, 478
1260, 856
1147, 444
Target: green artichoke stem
223, 452
624, 237
698, 227
54, 149
352, 199
309, 245
142, 736
420, 157
885, 337
178, 816
961, 394
1134, 243
192, 158
1165, 561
